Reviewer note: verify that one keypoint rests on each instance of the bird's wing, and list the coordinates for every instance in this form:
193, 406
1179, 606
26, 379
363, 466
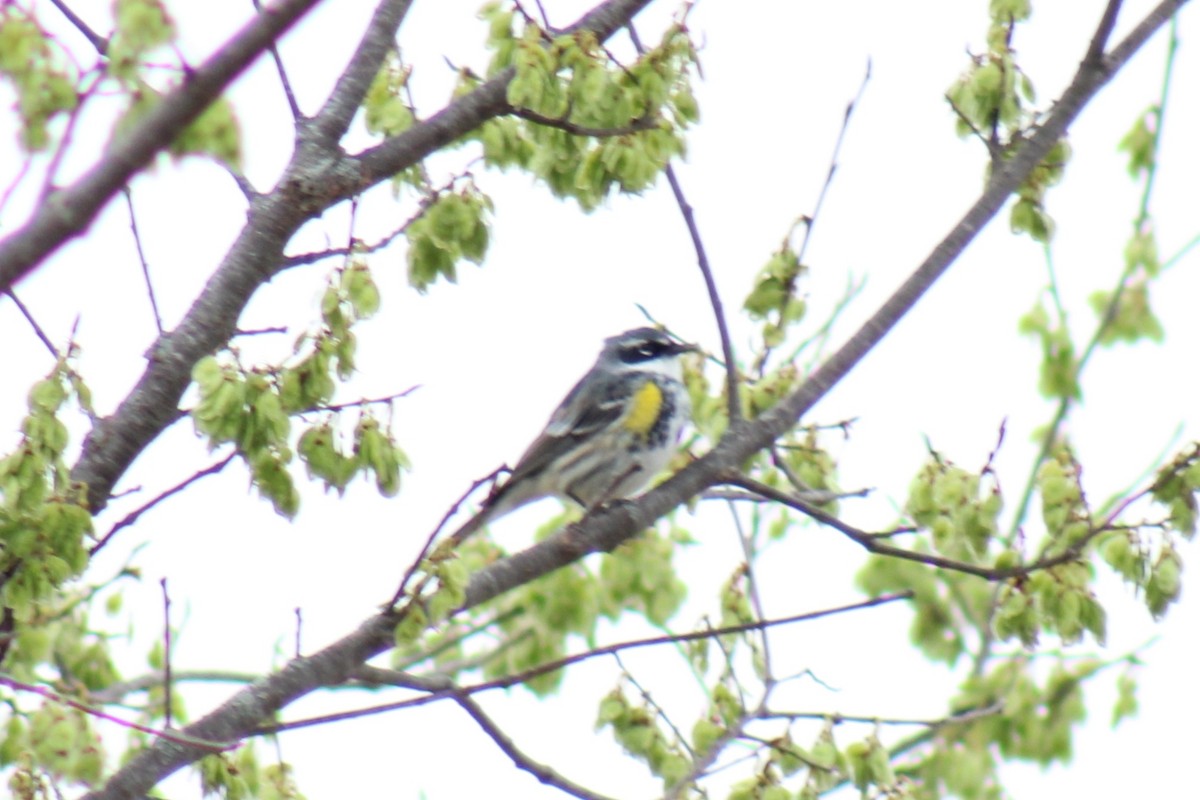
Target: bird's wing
575, 419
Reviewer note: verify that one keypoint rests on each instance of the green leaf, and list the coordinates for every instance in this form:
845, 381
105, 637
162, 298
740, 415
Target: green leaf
141, 26
705, 733
1140, 142
1127, 703
214, 133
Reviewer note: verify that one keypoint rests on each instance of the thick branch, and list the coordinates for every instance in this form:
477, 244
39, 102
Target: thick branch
611, 526
317, 177
334, 119
67, 213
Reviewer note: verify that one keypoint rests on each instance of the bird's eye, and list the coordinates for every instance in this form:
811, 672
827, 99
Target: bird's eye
649, 349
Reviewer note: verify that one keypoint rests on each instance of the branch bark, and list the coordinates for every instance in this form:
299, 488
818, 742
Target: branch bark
68, 213
318, 176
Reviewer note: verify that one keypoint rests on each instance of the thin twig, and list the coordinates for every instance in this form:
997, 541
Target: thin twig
299, 615
366, 401
837, 718
137, 241
459, 637
260, 331
810, 220
283, 78
356, 247
450, 512
709, 757
659, 711
132, 516
483, 658
170, 736
167, 684
37, 329
545, 17
1110, 311
748, 555
26, 164
873, 542
635, 126
542, 772
557, 664
64, 141
245, 186
97, 41
734, 400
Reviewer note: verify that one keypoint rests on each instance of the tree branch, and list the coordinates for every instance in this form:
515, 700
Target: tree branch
317, 177
542, 772
439, 690
284, 82
637, 125
734, 399
873, 542
67, 213
97, 41
334, 119
616, 523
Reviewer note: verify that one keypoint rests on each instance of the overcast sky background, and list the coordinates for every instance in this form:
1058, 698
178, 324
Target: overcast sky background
494, 354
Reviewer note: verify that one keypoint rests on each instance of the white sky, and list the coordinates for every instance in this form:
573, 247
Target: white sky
777, 78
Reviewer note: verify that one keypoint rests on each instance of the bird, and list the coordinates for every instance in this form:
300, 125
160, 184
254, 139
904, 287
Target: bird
613, 432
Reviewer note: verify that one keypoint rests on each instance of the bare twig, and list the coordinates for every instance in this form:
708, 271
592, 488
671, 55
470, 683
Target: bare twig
545, 17
137, 241
553, 666
810, 220
168, 686
459, 637
260, 331
283, 78
874, 542
659, 711
635, 126
355, 246
167, 735
425, 549
26, 164
542, 772
709, 757
97, 41
64, 142
734, 400
837, 718
748, 558
37, 329
366, 401
132, 516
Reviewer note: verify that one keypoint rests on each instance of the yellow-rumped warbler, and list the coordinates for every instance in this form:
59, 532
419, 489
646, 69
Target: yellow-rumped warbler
613, 432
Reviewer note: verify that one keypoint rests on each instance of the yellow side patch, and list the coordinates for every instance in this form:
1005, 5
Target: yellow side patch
643, 408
